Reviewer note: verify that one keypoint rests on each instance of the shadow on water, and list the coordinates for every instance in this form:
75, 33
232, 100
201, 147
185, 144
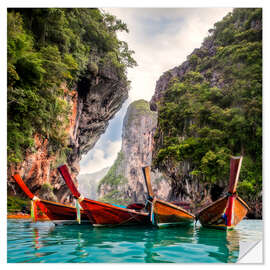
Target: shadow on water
83, 243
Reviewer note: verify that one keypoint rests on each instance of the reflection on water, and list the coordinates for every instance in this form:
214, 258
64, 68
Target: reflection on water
226, 243
43, 242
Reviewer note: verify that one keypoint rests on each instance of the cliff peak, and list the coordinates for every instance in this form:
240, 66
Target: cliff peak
124, 182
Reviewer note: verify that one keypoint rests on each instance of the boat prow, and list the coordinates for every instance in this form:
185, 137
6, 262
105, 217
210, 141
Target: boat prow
214, 215
226, 212
164, 214
56, 212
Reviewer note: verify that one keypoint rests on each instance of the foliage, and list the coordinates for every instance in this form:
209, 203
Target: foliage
136, 110
16, 204
215, 109
46, 192
113, 178
46, 48
113, 197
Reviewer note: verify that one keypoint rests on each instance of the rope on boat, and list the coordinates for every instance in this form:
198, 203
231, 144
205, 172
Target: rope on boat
78, 209
81, 198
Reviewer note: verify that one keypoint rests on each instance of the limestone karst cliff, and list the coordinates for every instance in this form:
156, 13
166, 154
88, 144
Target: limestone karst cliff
209, 108
94, 103
124, 181
66, 80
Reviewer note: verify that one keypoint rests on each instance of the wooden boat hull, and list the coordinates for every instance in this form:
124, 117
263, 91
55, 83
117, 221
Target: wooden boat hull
103, 214
213, 215
166, 214
228, 211
61, 212
54, 211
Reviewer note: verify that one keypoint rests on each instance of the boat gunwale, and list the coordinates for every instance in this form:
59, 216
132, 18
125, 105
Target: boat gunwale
243, 202
210, 205
174, 206
107, 205
61, 204
219, 200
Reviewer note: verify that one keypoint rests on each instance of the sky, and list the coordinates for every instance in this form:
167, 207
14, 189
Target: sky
162, 38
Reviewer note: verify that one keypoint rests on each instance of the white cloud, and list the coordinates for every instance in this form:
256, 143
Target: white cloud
162, 39
176, 32
100, 157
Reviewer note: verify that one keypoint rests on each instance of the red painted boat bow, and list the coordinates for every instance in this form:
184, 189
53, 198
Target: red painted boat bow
35, 199
103, 213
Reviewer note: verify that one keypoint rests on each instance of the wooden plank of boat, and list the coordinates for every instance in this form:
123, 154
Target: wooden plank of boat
163, 213
226, 212
64, 213
54, 211
104, 214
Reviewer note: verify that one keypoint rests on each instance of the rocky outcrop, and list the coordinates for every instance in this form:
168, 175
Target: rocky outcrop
98, 96
124, 182
208, 63
184, 186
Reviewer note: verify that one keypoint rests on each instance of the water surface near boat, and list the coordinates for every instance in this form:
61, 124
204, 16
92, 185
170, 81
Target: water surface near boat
45, 243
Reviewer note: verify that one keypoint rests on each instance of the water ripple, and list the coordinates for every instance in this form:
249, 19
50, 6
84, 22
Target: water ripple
45, 243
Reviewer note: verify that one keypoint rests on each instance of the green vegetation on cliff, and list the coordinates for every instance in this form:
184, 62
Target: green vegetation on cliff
135, 110
48, 47
113, 180
215, 109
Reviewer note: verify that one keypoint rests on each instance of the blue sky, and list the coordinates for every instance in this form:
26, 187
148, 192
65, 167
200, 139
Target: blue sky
162, 38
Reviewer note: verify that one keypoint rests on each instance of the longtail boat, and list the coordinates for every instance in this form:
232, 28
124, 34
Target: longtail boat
56, 212
163, 213
105, 214
228, 211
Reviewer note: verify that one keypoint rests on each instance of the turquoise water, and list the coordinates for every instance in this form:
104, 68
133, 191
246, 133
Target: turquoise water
43, 242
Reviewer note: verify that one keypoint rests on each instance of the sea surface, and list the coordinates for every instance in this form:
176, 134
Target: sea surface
43, 242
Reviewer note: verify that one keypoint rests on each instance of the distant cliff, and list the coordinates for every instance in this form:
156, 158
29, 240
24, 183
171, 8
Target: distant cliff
209, 108
88, 183
124, 182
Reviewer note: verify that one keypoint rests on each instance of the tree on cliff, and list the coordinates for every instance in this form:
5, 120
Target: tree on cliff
214, 109
46, 48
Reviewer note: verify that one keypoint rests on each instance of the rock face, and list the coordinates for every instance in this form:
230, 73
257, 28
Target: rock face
205, 62
98, 96
186, 188
124, 183
88, 183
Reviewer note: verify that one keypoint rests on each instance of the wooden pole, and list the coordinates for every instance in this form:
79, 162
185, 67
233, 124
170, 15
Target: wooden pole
66, 175
235, 167
146, 174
